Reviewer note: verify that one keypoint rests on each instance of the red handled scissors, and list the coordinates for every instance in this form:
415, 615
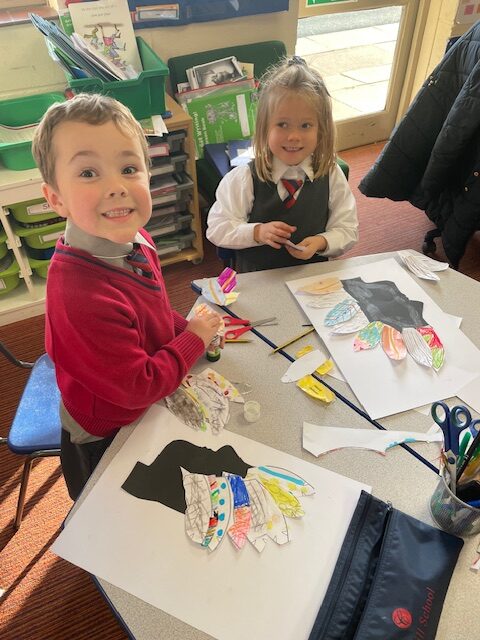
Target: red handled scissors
246, 325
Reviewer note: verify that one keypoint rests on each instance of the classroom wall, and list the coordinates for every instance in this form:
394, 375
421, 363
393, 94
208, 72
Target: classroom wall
30, 70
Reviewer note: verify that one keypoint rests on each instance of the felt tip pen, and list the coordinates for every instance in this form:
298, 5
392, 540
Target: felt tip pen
474, 503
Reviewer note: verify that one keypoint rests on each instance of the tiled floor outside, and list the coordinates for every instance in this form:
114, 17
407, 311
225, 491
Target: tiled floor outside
355, 65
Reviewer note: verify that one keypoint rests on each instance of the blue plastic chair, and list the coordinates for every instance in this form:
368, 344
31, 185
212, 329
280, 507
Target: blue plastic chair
36, 428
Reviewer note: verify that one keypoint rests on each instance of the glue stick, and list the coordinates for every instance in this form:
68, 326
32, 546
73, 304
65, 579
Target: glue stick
213, 351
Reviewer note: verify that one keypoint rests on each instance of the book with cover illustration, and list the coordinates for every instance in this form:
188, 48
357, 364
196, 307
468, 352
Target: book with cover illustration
107, 27
219, 118
215, 72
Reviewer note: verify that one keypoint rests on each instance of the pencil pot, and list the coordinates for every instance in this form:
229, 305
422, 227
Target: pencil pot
452, 514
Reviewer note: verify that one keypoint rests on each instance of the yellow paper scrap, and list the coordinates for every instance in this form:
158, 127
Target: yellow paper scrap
316, 389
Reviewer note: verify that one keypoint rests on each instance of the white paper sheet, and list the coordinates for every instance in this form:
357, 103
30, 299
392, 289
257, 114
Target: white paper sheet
140, 546
304, 366
319, 439
385, 387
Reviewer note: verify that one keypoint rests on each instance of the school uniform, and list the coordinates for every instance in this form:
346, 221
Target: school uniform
323, 206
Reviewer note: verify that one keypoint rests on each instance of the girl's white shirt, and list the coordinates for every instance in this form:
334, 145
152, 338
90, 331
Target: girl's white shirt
228, 224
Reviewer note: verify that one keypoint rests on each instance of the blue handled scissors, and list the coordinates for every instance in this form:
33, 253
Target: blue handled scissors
452, 422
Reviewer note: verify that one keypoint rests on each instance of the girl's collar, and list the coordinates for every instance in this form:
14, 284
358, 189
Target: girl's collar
282, 170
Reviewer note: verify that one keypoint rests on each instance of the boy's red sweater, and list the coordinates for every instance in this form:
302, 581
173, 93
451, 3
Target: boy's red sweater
117, 344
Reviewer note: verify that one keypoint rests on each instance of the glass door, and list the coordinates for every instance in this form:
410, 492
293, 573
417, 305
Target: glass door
361, 47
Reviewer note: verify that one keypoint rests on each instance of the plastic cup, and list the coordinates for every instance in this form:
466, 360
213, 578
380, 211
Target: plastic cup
452, 514
251, 410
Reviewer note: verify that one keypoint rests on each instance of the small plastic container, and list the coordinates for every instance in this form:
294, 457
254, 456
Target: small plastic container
32, 211
450, 513
9, 277
251, 411
17, 112
144, 95
43, 237
168, 224
39, 267
3, 243
172, 244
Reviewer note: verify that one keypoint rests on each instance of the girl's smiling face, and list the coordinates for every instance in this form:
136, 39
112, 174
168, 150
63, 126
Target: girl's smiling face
293, 129
102, 181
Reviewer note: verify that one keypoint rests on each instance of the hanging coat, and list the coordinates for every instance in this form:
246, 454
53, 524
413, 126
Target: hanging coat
432, 158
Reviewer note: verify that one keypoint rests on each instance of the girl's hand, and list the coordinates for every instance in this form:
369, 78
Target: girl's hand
205, 326
273, 233
311, 245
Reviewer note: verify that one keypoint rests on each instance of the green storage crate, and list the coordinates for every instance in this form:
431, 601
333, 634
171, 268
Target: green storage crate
144, 96
21, 111
42, 237
3, 244
32, 211
9, 278
40, 267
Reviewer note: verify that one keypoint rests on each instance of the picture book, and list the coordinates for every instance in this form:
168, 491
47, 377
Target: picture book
220, 118
107, 27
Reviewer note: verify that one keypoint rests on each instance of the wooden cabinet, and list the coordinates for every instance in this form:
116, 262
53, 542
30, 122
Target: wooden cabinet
27, 299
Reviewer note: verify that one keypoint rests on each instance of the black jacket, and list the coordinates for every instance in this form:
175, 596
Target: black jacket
433, 156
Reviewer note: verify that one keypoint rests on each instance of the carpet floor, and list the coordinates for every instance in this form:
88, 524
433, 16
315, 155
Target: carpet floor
46, 598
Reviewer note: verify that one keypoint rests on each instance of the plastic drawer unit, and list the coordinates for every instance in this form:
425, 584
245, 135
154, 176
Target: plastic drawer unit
44, 237
9, 273
168, 224
172, 244
174, 163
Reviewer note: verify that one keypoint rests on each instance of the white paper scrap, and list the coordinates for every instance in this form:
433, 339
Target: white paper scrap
319, 439
304, 366
422, 266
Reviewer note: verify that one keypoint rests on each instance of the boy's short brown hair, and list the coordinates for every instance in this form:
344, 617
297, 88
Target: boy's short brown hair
91, 108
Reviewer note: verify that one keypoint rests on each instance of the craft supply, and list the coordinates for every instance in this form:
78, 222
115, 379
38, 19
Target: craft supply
213, 351
471, 452
238, 340
292, 340
245, 325
251, 410
452, 514
452, 422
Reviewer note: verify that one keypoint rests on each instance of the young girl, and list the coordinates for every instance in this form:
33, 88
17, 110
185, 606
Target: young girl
293, 192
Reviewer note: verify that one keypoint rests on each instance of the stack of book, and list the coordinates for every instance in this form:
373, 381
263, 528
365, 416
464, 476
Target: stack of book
221, 98
103, 43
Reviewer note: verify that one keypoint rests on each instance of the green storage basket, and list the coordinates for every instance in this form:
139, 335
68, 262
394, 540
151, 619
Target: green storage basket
144, 96
42, 237
9, 278
32, 211
3, 244
21, 111
39, 267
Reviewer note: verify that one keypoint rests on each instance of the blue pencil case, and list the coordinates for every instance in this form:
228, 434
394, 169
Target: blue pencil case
391, 577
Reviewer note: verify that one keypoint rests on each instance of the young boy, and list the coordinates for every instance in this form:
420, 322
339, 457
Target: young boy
117, 345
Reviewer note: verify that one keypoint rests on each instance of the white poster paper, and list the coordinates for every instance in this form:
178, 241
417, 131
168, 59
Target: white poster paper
383, 386
141, 547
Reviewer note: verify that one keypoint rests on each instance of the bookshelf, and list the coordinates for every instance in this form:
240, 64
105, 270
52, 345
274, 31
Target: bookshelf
28, 298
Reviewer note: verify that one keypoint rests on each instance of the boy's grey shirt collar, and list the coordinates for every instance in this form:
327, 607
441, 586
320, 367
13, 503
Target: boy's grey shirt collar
113, 252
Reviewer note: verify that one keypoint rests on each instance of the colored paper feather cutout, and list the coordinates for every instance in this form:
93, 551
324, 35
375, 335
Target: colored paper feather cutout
368, 337
417, 348
435, 344
341, 312
327, 301
241, 510
199, 505
358, 321
393, 343
322, 287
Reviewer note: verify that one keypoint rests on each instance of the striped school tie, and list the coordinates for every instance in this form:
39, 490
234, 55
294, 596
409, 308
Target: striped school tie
292, 186
139, 262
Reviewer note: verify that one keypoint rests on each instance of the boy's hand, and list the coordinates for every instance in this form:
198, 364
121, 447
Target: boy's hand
311, 245
273, 233
205, 326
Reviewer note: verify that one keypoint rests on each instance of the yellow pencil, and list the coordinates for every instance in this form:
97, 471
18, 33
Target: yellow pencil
238, 340
285, 344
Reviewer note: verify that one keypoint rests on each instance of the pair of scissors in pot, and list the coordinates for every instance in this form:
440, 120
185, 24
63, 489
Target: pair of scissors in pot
452, 422
245, 325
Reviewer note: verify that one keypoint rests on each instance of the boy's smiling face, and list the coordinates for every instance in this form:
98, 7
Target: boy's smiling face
102, 181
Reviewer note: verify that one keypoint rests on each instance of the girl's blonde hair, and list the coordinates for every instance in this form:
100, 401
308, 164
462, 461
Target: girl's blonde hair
294, 77
90, 108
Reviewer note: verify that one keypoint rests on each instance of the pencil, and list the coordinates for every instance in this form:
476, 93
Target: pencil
238, 340
285, 344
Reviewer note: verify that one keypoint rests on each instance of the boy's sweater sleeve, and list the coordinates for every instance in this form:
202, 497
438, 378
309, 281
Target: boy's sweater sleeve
227, 219
341, 232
